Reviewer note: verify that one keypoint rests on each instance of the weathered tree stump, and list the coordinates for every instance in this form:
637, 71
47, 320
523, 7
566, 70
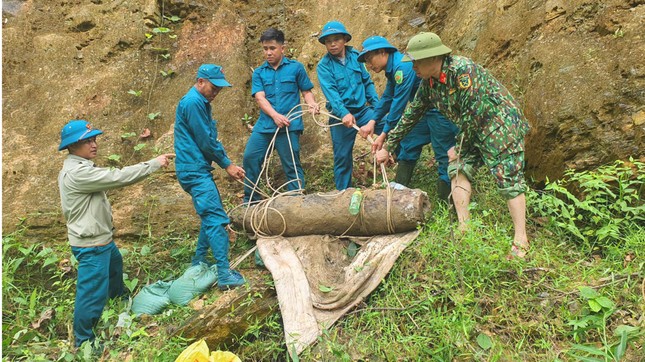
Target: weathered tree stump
232, 313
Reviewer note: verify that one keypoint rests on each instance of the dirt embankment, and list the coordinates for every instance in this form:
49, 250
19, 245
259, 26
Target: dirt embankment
575, 65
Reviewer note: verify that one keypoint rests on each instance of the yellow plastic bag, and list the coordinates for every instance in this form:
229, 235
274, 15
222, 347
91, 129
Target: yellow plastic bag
224, 356
196, 352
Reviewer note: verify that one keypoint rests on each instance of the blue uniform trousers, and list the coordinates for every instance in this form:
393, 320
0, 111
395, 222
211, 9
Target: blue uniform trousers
256, 149
208, 205
343, 139
100, 276
433, 128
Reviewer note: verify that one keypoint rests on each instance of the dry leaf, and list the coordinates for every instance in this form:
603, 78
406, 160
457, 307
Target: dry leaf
145, 133
65, 266
45, 316
629, 257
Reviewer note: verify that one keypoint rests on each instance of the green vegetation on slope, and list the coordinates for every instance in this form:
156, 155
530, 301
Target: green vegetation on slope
578, 296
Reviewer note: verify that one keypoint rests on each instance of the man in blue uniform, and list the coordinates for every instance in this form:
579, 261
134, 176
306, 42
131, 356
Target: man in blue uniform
276, 87
197, 147
402, 83
348, 88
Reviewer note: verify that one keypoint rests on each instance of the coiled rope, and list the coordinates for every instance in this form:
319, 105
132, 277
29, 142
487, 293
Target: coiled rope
258, 215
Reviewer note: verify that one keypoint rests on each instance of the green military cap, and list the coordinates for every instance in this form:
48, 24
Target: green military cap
425, 45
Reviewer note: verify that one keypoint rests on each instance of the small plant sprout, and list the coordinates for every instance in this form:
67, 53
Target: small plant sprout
128, 135
168, 73
153, 116
165, 56
114, 157
161, 30
139, 147
136, 93
173, 18
246, 121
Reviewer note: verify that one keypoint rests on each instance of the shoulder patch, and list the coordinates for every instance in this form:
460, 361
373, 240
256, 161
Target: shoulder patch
464, 81
398, 76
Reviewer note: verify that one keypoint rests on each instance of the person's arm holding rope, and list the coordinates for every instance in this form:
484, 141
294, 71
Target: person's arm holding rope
280, 120
305, 86
330, 90
399, 93
372, 97
412, 115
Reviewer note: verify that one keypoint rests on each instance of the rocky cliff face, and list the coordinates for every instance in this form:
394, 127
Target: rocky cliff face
576, 66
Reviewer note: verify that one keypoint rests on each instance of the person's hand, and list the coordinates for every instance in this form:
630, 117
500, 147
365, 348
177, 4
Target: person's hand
349, 121
164, 159
452, 154
378, 142
382, 156
367, 129
235, 171
314, 108
280, 121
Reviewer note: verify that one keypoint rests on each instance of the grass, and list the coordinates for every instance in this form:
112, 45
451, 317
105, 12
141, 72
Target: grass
448, 297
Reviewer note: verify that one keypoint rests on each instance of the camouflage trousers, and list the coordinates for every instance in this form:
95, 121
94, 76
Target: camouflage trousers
503, 157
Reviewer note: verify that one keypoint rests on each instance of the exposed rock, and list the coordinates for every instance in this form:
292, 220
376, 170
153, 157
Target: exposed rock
576, 67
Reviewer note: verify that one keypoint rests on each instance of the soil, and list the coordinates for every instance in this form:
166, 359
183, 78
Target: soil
576, 66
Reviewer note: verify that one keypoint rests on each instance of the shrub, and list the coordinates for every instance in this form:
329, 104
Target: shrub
598, 207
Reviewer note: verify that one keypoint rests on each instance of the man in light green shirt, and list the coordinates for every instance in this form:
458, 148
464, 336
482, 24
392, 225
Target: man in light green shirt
89, 221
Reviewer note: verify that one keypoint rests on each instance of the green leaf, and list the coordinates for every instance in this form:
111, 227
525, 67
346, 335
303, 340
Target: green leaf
484, 341
135, 93
139, 147
589, 349
625, 329
619, 352
161, 30
131, 284
605, 302
152, 116
51, 260
173, 18
586, 359
145, 250
325, 289
587, 292
114, 157
128, 135
594, 306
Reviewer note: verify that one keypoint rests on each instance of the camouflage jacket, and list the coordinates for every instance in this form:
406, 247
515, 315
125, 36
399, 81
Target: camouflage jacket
471, 98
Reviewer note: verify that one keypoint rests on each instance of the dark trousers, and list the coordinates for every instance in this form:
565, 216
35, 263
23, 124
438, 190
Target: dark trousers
100, 276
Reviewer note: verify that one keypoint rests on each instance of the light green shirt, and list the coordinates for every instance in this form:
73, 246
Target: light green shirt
82, 192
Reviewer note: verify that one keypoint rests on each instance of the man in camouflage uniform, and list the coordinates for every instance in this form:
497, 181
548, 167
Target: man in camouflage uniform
491, 121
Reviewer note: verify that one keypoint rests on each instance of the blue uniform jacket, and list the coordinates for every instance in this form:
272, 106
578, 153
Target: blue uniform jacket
402, 84
196, 143
282, 89
347, 87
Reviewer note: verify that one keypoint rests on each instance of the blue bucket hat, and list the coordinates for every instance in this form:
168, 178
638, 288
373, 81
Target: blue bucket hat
214, 74
331, 28
76, 130
374, 43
